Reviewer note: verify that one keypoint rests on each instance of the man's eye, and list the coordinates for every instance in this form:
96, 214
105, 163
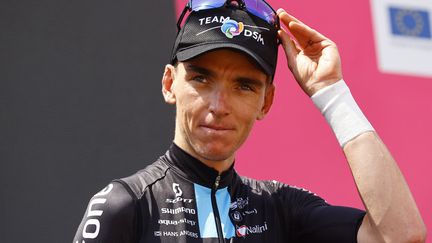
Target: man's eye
199, 78
246, 87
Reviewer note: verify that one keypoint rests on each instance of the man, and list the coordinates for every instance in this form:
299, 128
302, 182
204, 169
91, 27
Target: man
220, 81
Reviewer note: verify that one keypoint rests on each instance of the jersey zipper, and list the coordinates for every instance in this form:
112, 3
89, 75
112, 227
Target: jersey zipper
216, 211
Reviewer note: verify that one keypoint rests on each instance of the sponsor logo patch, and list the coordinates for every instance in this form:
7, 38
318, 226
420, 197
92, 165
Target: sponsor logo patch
175, 233
240, 203
232, 28
236, 216
178, 195
177, 222
178, 210
243, 231
92, 225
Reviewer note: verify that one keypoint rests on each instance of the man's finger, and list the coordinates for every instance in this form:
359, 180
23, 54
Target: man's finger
304, 35
286, 17
290, 48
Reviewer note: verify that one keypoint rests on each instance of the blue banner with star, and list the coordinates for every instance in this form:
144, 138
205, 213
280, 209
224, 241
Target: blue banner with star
410, 22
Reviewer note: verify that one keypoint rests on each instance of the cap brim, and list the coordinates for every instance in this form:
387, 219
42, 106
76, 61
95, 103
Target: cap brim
194, 51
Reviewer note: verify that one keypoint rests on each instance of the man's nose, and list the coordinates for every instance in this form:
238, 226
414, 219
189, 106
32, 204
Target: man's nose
219, 102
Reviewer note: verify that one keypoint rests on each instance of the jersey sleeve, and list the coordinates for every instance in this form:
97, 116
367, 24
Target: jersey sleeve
111, 216
314, 220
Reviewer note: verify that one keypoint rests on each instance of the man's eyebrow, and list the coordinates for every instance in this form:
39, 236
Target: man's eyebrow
198, 69
255, 82
207, 72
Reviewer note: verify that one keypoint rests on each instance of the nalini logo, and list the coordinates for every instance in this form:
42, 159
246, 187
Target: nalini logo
243, 231
232, 28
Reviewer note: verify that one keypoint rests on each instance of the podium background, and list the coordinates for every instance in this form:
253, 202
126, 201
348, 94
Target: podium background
80, 104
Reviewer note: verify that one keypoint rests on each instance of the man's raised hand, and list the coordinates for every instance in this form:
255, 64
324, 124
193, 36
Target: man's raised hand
312, 58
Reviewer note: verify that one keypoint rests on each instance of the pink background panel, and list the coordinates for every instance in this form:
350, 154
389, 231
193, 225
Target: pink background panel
294, 144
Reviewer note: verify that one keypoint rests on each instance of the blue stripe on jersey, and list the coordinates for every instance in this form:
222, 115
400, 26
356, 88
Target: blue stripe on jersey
206, 221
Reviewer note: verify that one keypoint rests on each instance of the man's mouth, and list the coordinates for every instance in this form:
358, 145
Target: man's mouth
217, 128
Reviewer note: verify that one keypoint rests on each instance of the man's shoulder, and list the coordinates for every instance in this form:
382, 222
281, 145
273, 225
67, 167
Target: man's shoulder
141, 180
271, 186
274, 187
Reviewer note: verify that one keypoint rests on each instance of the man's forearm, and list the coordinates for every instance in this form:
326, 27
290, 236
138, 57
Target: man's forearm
392, 214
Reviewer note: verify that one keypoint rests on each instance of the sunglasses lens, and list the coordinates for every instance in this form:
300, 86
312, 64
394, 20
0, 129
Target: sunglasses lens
258, 8
197, 5
262, 10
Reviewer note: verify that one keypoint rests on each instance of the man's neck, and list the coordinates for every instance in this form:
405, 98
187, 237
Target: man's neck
219, 165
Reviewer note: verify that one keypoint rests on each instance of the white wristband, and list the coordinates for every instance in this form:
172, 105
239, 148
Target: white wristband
341, 112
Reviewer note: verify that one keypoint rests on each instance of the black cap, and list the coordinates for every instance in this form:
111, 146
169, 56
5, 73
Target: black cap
225, 27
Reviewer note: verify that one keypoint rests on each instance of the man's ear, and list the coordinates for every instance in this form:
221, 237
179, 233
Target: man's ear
167, 84
268, 101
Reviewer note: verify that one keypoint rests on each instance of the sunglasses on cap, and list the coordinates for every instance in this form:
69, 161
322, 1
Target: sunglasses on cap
259, 8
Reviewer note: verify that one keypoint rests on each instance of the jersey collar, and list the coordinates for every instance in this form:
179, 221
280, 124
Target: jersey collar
196, 171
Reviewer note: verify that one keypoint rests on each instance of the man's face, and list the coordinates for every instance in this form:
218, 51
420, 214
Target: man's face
218, 97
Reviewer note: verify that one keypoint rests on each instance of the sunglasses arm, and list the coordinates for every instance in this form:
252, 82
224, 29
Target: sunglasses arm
180, 20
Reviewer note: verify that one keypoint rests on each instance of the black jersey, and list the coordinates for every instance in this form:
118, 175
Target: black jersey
179, 199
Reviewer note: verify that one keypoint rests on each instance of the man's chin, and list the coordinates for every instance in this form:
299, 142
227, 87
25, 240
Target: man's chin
215, 154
